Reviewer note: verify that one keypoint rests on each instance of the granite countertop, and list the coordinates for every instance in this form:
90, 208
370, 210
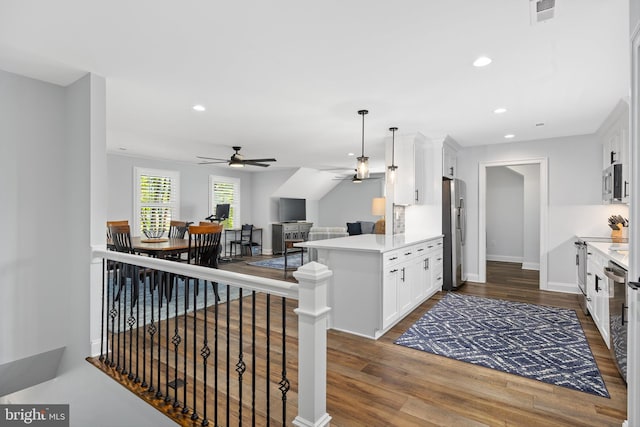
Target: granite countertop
617, 251
368, 242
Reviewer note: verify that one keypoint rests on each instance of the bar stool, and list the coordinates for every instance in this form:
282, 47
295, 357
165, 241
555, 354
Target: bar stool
288, 244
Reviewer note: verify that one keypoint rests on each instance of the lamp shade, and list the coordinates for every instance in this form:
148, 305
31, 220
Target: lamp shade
378, 206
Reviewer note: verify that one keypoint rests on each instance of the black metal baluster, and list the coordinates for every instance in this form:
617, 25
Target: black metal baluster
136, 379
268, 375
185, 408
119, 296
102, 321
159, 285
167, 293
196, 285
284, 382
253, 358
176, 343
131, 320
205, 352
241, 367
152, 329
227, 419
112, 314
144, 327
124, 321
215, 345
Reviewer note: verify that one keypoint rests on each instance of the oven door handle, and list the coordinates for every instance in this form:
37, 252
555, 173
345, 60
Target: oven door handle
611, 275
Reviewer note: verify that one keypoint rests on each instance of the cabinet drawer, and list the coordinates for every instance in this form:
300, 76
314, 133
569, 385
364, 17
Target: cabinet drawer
390, 258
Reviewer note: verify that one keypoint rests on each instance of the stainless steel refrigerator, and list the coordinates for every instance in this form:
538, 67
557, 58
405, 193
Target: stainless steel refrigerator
453, 229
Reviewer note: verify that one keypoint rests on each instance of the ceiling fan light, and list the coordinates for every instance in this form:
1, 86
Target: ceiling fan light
236, 163
362, 171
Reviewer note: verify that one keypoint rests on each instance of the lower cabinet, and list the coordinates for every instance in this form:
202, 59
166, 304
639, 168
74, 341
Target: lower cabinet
598, 293
410, 276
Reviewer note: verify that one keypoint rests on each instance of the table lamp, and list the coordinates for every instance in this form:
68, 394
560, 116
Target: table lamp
378, 207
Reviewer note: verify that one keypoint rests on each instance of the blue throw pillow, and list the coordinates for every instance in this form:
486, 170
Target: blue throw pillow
353, 228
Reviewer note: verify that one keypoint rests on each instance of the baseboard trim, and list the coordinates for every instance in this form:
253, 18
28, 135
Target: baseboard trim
504, 258
567, 288
473, 278
531, 266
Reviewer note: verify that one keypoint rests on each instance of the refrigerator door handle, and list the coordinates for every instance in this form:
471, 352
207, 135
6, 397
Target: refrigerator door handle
462, 220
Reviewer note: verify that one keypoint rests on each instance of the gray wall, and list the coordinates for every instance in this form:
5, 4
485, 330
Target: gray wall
505, 215
194, 187
575, 208
349, 202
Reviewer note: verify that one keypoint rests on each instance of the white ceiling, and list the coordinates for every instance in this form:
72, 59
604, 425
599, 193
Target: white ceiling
285, 78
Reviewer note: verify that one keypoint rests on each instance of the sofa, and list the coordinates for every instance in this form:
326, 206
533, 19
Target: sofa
360, 227
322, 233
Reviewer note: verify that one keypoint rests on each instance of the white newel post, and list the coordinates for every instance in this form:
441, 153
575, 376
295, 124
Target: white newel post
312, 345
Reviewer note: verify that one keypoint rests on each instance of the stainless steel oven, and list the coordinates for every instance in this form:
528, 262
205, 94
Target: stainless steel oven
618, 315
581, 268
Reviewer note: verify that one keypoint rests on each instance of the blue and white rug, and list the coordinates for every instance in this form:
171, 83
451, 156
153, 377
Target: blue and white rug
293, 262
533, 341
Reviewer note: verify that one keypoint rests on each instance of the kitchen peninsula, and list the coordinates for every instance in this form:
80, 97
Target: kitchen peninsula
377, 280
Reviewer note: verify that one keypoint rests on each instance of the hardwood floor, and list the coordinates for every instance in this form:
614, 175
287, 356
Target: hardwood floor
379, 383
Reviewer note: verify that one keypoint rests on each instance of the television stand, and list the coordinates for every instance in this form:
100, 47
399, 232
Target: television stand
282, 231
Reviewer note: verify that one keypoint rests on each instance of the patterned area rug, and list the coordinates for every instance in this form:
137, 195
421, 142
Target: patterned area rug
293, 262
538, 342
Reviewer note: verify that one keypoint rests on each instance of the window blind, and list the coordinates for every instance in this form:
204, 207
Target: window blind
156, 199
226, 190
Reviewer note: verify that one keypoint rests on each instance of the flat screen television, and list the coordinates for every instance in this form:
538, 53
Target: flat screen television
291, 210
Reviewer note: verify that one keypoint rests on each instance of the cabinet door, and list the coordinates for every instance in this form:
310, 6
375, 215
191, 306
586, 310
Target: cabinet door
449, 160
626, 165
407, 275
436, 271
390, 295
405, 175
420, 173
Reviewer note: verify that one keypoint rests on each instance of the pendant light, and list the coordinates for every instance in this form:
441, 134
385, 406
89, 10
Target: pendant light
362, 168
392, 169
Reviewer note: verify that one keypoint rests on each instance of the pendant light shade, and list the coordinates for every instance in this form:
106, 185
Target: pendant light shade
362, 169
392, 169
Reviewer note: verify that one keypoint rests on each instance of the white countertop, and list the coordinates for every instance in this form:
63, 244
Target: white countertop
368, 242
620, 257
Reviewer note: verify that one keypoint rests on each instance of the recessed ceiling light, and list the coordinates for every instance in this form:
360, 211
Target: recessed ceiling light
500, 110
483, 61
509, 136
350, 154
199, 107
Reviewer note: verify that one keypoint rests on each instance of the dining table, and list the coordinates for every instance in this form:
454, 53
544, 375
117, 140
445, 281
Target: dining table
159, 248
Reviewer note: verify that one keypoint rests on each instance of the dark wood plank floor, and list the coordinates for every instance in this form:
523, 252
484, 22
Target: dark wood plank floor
378, 383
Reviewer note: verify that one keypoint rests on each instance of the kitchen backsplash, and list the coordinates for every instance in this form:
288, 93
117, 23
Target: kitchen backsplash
398, 219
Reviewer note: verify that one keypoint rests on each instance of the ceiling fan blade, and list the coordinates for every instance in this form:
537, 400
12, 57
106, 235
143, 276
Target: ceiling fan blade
253, 163
213, 162
212, 158
259, 160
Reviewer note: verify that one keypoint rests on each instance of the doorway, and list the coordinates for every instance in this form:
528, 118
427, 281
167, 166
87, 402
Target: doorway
529, 260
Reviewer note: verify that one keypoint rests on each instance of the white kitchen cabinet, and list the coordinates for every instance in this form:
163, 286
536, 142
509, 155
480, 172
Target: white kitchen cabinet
449, 160
410, 175
598, 293
614, 134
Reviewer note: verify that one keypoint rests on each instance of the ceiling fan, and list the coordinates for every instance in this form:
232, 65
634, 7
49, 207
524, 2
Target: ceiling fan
237, 160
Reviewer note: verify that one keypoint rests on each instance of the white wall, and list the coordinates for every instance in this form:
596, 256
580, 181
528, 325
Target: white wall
505, 215
575, 165
349, 202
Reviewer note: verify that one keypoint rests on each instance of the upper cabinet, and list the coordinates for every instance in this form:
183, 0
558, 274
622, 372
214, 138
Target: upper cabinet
449, 159
614, 134
410, 159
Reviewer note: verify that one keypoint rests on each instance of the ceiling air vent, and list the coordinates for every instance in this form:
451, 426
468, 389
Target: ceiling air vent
541, 10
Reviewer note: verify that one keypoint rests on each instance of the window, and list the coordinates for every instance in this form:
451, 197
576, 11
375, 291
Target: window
224, 189
156, 199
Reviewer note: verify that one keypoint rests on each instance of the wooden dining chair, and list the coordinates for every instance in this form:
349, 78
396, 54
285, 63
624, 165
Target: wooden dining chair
114, 223
204, 247
178, 229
